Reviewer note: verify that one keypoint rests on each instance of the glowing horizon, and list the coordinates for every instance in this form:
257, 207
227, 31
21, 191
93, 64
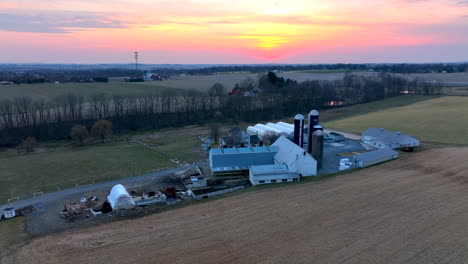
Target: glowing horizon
234, 31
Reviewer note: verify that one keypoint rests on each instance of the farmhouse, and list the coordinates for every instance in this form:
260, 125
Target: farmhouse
374, 157
239, 139
271, 174
295, 157
379, 138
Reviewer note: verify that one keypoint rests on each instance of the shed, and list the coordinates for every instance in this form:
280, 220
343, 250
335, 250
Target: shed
119, 198
277, 173
295, 157
374, 157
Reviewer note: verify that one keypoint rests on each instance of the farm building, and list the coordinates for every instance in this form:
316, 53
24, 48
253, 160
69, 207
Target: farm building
271, 174
379, 138
119, 198
239, 160
239, 139
374, 157
295, 157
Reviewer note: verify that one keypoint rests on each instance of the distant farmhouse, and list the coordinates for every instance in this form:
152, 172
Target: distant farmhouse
239, 139
153, 77
379, 138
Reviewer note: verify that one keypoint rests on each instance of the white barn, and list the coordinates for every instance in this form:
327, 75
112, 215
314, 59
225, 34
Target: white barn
295, 157
277, 173
379, 138
119, 198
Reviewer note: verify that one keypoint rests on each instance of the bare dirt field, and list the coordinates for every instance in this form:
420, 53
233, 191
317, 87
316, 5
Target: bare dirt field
411, 210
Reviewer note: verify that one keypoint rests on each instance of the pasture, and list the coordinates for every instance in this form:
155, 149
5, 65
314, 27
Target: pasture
441, 120
178, 84
48, 91
53, 167
411, 210
56, 165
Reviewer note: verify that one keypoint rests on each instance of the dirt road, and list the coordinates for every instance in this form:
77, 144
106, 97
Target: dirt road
411, 210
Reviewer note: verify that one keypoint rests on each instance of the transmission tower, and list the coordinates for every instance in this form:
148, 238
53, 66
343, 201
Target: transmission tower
136, 60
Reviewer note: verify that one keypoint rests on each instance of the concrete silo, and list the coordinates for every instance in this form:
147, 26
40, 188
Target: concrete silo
299, 130
317, 147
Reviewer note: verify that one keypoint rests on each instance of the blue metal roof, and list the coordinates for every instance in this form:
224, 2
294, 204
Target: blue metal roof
241, 158
216, 151
230, 150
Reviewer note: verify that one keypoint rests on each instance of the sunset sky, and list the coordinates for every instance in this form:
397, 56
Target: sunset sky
233, 31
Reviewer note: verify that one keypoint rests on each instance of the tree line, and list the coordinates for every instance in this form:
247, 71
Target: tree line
23, 117
37, 75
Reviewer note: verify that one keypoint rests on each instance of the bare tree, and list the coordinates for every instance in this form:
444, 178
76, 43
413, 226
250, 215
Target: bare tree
102, 129
215, 131
79, 133
28, 144
270, 137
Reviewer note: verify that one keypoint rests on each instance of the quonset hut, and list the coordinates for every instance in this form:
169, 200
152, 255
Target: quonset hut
119, 198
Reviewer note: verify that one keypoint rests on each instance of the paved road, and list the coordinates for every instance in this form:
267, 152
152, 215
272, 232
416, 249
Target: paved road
49, 197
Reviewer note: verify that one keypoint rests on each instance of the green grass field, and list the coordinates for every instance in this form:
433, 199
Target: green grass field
48, 91
441, 120
51, 167
57, 164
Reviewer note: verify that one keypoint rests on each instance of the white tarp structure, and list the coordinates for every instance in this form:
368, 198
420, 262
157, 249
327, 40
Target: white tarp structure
295, 157
119, 198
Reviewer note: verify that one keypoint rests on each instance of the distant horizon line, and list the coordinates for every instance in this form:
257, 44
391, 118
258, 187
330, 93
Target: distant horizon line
250, 64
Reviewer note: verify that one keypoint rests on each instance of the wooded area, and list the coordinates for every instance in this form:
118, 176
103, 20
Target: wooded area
274, 98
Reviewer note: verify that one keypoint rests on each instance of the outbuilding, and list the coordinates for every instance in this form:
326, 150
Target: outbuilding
379, 138
295, 157
374, 157
237, 161
271, 174
119, 198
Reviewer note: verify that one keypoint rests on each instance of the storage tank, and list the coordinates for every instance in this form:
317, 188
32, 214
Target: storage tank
287, 125
270, 129
299, 130
312, 122
317, 147
317, 127
288, 131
